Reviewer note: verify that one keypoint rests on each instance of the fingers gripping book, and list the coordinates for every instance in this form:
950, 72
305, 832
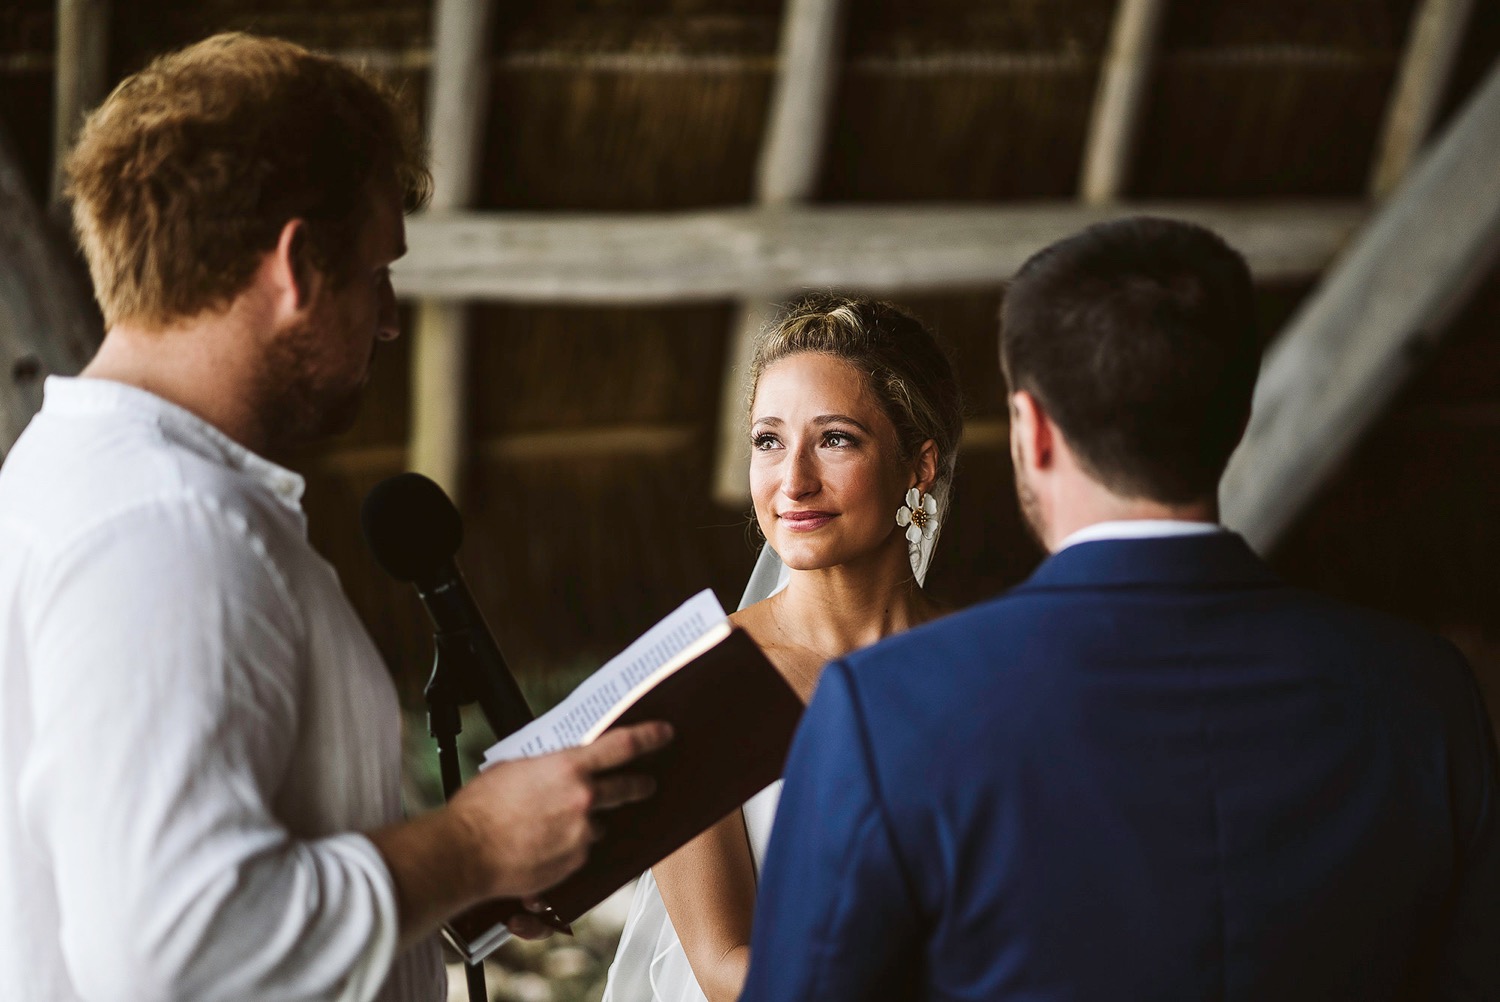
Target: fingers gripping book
733, 716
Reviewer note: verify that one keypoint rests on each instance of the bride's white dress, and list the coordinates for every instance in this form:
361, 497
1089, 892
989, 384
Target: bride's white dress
650, 964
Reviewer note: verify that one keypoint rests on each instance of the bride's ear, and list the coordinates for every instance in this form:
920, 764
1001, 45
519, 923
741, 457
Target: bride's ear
926, 466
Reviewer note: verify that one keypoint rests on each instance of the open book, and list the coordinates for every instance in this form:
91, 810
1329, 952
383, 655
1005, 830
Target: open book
733, 715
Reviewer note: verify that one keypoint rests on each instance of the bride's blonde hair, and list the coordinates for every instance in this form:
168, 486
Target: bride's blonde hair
906, 367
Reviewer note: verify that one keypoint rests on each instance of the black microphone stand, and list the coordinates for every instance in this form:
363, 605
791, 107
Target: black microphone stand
445, 694
413, 531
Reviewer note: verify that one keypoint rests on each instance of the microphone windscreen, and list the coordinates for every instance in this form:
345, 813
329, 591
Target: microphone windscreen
411, 527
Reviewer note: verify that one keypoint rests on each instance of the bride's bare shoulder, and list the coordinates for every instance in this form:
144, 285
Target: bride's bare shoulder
753, 619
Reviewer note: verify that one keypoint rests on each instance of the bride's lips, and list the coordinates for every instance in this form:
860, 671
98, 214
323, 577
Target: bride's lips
806, 521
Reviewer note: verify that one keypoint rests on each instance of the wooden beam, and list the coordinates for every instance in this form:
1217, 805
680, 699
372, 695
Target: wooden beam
791, 157
82, 76
1120, 103
1028, 63
458, 107
526, 447
1379, 313
733, 253
47, 324
1435, 37
801, 102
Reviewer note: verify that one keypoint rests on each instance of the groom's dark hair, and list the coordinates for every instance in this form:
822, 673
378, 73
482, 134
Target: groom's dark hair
1138, 337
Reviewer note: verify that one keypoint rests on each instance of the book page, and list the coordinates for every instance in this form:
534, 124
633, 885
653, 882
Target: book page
566, 724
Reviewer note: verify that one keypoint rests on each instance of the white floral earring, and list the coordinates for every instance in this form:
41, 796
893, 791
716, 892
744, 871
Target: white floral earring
918, 516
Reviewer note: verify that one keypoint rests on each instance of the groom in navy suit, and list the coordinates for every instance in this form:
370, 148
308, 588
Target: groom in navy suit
1153, 770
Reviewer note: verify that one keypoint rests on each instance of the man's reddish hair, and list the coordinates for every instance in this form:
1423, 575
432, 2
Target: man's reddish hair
184, 177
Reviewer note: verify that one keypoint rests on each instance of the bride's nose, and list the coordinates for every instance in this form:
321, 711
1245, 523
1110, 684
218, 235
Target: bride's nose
799, 475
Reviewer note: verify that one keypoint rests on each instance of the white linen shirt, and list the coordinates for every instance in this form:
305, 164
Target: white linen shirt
195, 726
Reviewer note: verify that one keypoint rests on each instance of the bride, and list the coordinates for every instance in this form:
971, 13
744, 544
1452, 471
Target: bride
854, 419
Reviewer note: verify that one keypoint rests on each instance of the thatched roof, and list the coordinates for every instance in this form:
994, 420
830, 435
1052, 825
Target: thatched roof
588, 502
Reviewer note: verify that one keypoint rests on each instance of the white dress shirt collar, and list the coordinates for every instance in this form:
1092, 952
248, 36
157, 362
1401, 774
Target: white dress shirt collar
1139, 528
72, 395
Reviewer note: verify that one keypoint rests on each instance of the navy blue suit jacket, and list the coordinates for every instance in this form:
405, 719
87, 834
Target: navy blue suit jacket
1152, 771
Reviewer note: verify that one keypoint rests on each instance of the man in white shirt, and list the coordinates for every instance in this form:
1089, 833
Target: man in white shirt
199, 745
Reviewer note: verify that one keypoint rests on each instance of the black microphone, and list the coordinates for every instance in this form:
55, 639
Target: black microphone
414, 532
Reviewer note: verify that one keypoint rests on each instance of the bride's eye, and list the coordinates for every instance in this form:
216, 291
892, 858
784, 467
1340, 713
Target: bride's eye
764, 441
839, 439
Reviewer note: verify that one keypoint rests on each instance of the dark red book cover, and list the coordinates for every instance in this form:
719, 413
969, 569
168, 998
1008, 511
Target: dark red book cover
733, 716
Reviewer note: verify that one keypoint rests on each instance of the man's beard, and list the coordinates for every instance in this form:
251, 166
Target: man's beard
1031, 508
298, 406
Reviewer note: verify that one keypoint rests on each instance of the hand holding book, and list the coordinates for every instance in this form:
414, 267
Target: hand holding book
733, 716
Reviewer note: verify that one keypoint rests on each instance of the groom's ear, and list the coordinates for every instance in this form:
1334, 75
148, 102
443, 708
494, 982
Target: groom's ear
1031, 431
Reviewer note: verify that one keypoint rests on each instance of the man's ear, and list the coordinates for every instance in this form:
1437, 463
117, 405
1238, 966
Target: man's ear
926, 466
1031, 432
294, 273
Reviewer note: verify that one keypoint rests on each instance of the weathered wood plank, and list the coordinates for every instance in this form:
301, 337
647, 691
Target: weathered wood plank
696, 256
1124, 80
790, 161
801, 101
82, 76
47, 323
731, 484
458, 107
1372, 322
527, 447
1437, 33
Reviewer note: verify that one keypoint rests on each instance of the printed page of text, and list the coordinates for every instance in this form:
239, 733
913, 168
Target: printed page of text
566, 724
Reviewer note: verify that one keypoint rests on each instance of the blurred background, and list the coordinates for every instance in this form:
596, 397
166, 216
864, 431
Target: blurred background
625, 188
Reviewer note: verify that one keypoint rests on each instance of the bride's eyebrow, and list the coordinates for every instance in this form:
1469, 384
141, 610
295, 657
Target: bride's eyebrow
826, 419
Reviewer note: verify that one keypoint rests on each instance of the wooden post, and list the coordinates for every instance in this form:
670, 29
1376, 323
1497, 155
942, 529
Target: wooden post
1436, 35
81, 74
731, 448
790, 158
47, 325
459, 87
1120, 102
1376, 317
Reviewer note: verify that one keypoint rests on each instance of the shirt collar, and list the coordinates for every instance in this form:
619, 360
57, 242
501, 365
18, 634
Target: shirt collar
75, 395
1140, 528
1196, 560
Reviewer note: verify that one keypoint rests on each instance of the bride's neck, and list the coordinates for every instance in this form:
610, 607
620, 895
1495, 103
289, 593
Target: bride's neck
838, 609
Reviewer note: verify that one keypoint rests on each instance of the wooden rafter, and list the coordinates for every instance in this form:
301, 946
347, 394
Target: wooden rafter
801, 102
737, 253
457, 110
81, 70
1120, 103
1377, 314
791, 156
1436, 35
529, 447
